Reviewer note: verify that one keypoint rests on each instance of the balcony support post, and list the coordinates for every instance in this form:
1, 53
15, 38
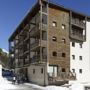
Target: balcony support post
40, 2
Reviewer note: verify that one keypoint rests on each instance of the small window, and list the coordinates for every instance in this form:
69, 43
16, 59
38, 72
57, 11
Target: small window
73, 70
80, 45
63, 26
63, 41
42, 70
80, 70
54, 24
73, 57
54, 53
63, 70
63, 14
63, 55
54, 38
73, 44
33, 71
80, 57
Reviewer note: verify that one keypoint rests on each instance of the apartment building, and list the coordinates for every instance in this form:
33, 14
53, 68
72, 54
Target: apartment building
49, 45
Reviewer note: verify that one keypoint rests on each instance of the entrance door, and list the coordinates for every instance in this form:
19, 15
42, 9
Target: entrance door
53, 71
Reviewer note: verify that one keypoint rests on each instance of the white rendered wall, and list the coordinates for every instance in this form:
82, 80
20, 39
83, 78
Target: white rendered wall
38, 77
83, 64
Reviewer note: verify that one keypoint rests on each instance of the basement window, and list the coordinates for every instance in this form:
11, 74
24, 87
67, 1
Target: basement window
54, 38
54, 24
54, 53
63, 55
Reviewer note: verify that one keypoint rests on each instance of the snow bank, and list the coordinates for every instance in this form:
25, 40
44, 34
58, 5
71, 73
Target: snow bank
74, 86
4, 84
55, 88
35, 86
77, 86
46, 88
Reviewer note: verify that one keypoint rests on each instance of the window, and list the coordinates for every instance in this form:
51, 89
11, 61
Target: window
73, 44
33, 71
63, 26
63, 41
42, 70
73, 70
63, 70
80, 45
63, 14
54, 24
63, 55
80, 57
73, 57
54, 38
80, 70
54, 53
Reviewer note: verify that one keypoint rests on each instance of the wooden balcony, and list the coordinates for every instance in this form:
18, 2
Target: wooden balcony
20, 63
27, 62
79, 24
12, 50
36, 44
36, 59
36, 30
62, 77
25, 29
26, 39
78, 37
20, 43
21, 53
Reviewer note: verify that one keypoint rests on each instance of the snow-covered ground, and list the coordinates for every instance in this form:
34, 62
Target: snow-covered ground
6, 85
75, 86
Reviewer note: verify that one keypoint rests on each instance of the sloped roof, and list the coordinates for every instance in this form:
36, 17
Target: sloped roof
54, 3
58, 4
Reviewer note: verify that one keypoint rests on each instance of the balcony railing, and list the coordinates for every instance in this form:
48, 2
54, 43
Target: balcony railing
77, 36
36, 58
26, 27
26, 51
21, 53
20, 63
79, 23
26, 38
37, 44
12, 50
27, 62
62, 76
36, 29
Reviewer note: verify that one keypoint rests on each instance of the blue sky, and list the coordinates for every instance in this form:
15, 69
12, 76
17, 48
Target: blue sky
13, 11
